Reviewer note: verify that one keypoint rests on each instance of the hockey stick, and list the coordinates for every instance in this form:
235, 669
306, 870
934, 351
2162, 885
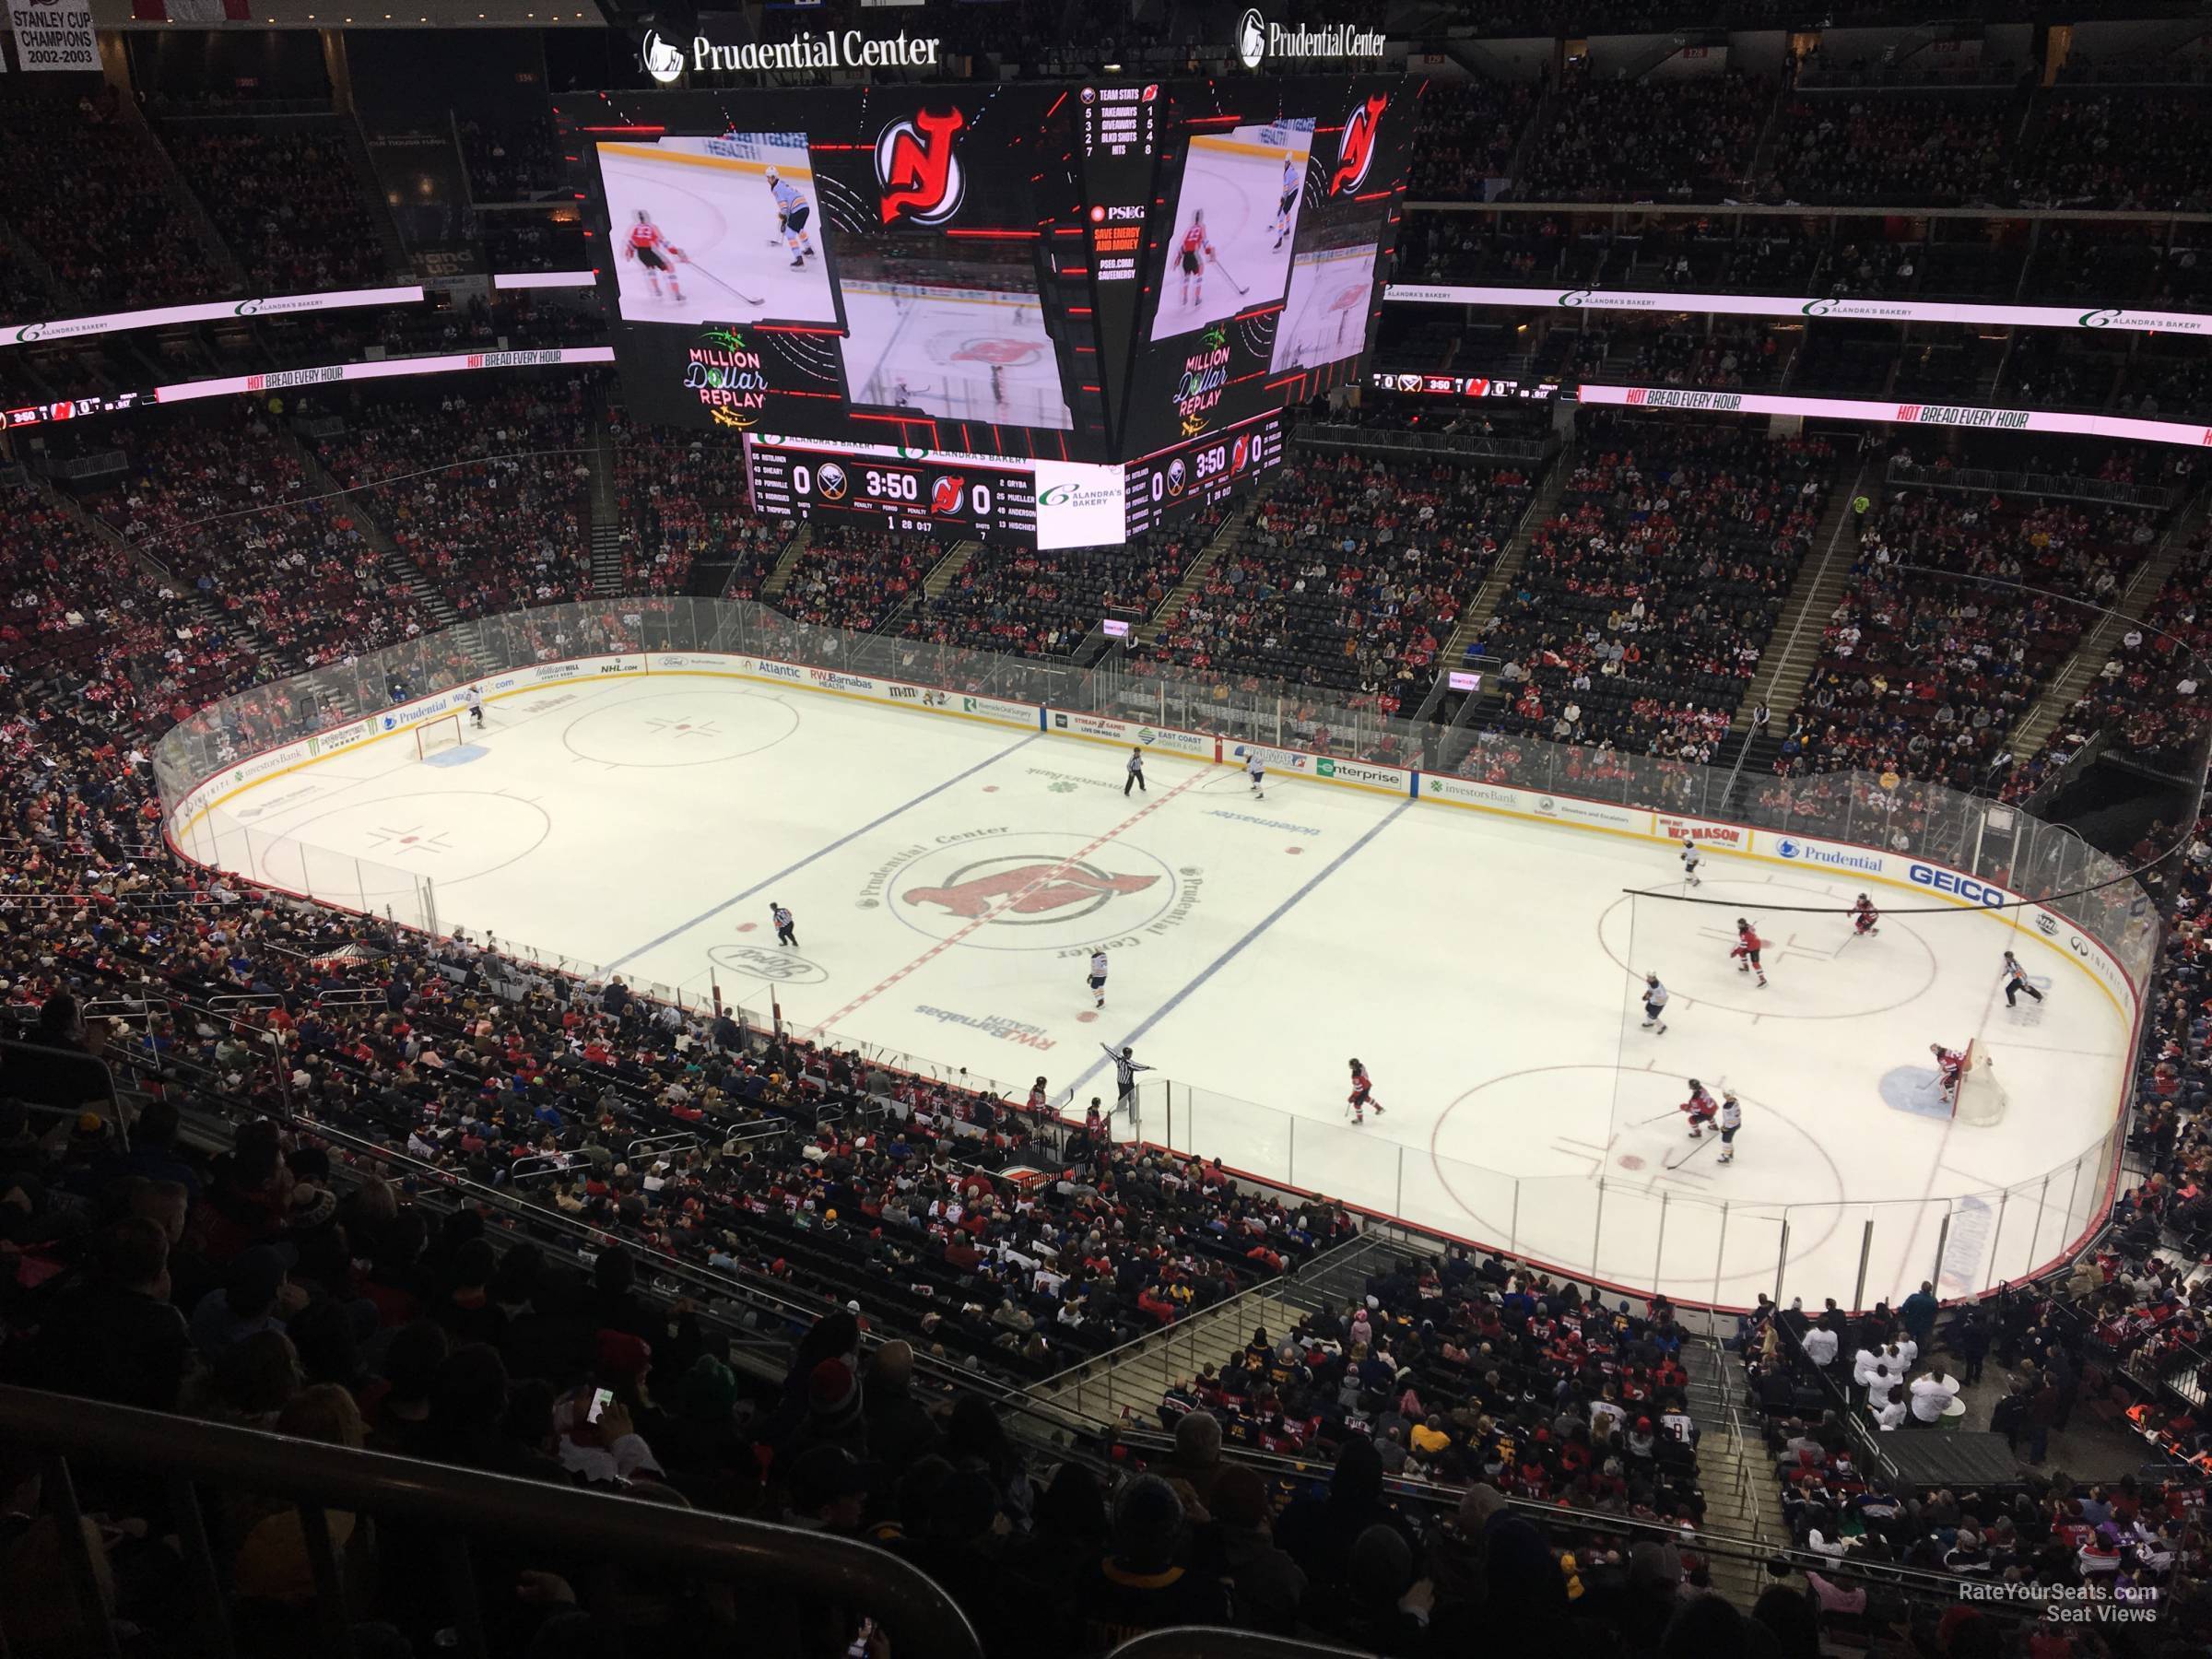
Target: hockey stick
748, 298
1641, 1123
1702, 1143
1226, 277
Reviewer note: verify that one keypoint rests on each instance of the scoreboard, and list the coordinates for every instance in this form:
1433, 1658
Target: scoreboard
969, 498
1009, 310
1200, 471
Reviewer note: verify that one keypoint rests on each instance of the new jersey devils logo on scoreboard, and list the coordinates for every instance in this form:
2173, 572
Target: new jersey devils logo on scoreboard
945, 493
1356, 147
918, 168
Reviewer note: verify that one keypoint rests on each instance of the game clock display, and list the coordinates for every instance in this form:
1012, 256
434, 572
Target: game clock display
1162, 488
939, 497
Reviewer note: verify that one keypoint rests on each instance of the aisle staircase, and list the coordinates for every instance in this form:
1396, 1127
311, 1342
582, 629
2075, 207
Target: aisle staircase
938, 582
1743, 1496
606, 516
1782, 672
397, 568
208, 615
1227, 536
2075, 674
1126, 1383
780, 578
1499, 582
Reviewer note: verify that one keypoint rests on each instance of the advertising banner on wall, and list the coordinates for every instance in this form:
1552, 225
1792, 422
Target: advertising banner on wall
1966, 416
53, 37
1668, 301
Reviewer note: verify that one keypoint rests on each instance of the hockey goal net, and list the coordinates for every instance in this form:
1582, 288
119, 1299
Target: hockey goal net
436, 736
1980, 1099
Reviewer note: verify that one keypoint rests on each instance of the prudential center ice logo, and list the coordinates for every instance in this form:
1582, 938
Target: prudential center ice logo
664, 62
1252, 38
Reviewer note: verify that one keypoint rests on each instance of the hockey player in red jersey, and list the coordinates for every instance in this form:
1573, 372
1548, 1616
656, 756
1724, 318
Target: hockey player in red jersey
1949, 1063
1191, 258
656, 253
1747, 946
1864, 916
1362, 1095
1701, 1107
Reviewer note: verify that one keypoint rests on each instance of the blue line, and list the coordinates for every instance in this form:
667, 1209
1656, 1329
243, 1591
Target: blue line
763, 886
1230, 955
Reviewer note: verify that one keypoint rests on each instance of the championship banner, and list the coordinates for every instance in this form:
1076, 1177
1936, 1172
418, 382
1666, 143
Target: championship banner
1664, 303
53, 37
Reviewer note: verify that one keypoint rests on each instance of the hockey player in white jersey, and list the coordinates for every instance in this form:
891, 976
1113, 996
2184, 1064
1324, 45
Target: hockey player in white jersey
1294, 180
1257, 770
1654, 1005
474, 700
1691, 858
1098, 977
792, 211
1732, 1119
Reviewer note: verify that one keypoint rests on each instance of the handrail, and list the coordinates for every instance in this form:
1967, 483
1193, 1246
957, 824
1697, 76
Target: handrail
1211, 1642
919, 1615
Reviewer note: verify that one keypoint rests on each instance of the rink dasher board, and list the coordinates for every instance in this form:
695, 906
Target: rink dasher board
1841, 860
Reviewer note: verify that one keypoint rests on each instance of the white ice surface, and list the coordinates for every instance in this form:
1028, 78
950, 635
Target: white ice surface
1325, 317
1483, 968
942, 348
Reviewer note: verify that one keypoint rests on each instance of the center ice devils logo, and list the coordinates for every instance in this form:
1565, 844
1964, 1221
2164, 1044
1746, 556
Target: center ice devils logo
1043, 885
918, 169
1356, 147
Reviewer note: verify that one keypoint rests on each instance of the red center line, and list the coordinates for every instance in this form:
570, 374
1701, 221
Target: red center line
1008, 902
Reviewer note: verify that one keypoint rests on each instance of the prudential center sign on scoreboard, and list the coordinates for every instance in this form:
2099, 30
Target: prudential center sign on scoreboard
1260, 43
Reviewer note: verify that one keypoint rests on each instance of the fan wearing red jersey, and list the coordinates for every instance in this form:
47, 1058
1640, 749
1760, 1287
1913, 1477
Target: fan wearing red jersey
1747, 946
653, 250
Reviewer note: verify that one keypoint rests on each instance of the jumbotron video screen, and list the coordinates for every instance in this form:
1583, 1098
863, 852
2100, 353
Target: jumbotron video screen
1052, 313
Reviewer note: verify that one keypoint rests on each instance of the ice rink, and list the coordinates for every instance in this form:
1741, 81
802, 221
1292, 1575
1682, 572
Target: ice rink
950, 880
935, 350
1325, 317
716, 210
1235, 178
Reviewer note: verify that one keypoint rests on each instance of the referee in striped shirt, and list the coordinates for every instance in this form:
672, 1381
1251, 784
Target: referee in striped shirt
1125, 1073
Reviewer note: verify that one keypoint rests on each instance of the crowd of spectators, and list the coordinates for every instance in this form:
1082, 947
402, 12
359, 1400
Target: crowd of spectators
85, 613
2146, 697
1639, 618
1932, 655
1690, 139
1468, 133
854, 579
682, 501
1045, 603
286, 201
2125, 149
513, 160
487, 488
119, 236
218, 496
1350, 578
1912, 148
